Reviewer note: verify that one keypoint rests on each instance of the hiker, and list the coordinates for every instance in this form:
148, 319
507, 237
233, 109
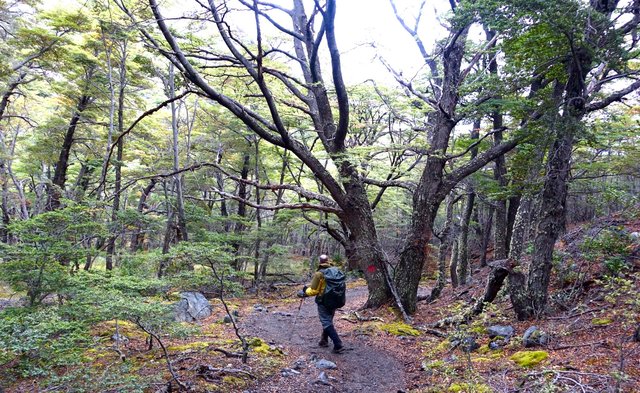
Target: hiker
328, 286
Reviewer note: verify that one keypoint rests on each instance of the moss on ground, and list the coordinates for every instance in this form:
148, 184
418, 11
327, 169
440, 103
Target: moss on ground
258, 345
125, 328
464, 387
601, 321
399, 329
192, 346
529, 359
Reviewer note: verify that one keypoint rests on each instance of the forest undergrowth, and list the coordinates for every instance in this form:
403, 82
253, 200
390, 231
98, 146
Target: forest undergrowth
591, 335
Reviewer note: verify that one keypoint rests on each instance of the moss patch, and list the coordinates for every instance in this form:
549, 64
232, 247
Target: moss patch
399, 329
258, 345
126, 328
233, 381
529, 358
601, 321
193, 346
464, 387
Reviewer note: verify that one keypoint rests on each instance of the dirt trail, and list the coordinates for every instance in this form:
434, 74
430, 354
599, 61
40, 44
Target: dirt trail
363, 368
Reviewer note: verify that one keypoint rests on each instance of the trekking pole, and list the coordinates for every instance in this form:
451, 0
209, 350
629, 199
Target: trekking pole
295, 319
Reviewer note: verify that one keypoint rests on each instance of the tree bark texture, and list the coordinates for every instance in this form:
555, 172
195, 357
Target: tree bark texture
56, 190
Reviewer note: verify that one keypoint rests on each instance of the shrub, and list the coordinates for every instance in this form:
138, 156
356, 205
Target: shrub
38, 339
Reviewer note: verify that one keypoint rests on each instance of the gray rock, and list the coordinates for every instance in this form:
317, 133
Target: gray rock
494, 346
227, 319
299, 364
534, 337
501, 331
288, 372
325, 364
193, 306
260, 308
635, 235
121, 338
469, 344
323, 379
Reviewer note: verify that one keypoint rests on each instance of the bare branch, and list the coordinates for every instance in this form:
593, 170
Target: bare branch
617, 96
391, 183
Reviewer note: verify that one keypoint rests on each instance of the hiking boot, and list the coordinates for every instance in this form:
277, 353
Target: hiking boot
338, 349
324, 340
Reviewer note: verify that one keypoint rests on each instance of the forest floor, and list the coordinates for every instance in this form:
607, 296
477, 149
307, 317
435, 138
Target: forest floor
594, 310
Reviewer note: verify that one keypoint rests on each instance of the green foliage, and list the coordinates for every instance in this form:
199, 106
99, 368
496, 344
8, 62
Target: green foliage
611, 245
38, 339
47, 245
609, 241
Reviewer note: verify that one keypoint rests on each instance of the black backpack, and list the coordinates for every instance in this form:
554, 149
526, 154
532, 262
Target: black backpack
335, 291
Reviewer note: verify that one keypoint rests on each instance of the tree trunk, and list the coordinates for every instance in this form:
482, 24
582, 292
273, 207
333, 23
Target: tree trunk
486, 236
241, 213
445, 246
118, 164
56, 190
463, 241
499, 172
182, 220
138, 236
168, 235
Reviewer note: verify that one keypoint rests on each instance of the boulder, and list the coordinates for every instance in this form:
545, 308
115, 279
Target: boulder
501, 331
535, 337
193, 306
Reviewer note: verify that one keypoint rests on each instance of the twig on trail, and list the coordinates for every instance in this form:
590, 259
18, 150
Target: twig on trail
435, 332
360, 318
561, 347
578, 314
227, 353
565, 379
166, 354
212, 374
